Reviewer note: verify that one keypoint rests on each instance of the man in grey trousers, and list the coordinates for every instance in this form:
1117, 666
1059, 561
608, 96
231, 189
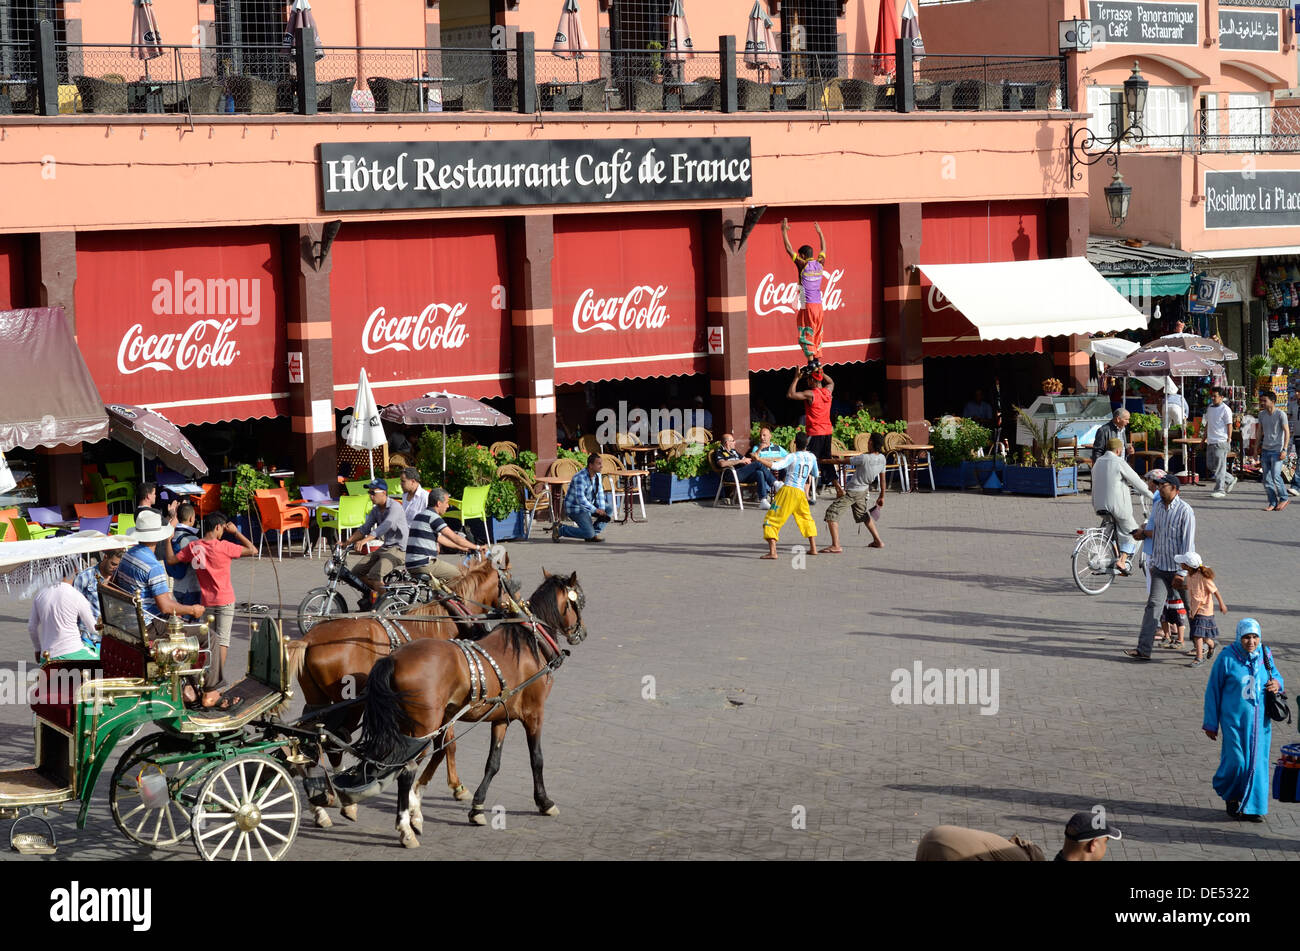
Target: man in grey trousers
1173, 532
1218, 432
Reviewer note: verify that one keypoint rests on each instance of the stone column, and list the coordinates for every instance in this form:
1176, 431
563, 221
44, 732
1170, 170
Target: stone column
728, 310
51, 264
311, 402
900, 257
530, 243
1067, 237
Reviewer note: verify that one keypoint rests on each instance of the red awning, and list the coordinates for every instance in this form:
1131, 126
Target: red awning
853, 324
421, 306
186, 322
48, 397
967, 233
11, 272
629, 297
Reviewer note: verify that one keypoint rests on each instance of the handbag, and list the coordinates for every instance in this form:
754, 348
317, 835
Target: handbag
1275, 705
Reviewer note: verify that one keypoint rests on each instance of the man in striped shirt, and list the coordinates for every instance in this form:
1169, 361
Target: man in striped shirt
427, 530
1173, 531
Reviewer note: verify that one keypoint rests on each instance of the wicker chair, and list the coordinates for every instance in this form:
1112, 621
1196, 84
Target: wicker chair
796, 97
336, 95
974, 94
564, 468
895, 462
258, 97
392, 95
590, 96
705, 94
205, 96
752, 96
698, 434
505, 446
588, 444
670, 439
534, 498
100, 97
857, 93
505, 95
647, 96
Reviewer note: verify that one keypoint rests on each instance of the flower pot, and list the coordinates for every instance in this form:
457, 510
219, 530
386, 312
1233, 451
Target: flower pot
668, 488
512, 526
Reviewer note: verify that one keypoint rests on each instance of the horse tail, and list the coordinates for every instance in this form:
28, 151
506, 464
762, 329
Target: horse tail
381, 730
297, 654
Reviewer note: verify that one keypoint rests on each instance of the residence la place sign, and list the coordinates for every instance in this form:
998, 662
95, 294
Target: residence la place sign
370, 176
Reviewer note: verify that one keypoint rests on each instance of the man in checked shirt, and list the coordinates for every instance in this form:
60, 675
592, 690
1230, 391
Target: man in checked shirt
1173, 524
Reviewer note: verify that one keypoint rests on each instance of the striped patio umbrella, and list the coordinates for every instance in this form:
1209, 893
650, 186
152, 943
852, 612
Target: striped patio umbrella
570, 38
886, 37
146, 43
761, 52
300, 18
679, 34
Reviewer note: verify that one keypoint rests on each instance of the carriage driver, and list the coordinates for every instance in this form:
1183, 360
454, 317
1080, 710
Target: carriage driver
387, 523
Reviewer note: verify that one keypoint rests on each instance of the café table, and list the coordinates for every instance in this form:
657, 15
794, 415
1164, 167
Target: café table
778, 93
631, 454
912, 451
1197, 443
556, 486
558, 90
424, 81
674, 91
636, 475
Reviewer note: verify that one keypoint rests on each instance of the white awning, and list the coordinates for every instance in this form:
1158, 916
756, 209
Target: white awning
1014, 299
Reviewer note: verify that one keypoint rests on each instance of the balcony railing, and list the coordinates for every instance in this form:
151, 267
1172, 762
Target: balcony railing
1253, 129
106, 79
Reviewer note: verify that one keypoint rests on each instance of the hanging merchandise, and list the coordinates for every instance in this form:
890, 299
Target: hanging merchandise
1258, 289
1272, 323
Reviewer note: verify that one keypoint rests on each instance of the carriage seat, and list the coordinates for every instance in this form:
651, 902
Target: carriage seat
56, 700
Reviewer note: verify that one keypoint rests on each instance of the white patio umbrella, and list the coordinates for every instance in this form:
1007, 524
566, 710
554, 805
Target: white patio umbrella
367, 431
570, 38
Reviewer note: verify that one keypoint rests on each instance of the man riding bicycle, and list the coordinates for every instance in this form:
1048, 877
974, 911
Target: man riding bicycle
1111, 497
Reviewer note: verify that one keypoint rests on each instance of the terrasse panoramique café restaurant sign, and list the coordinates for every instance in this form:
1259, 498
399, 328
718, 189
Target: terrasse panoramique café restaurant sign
364, 176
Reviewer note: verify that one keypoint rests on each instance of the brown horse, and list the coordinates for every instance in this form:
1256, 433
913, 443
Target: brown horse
424, 684
333, 661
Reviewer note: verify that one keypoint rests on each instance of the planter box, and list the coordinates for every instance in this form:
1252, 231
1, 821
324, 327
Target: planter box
971, 474
512, 526
950, 477
666, 487
1039, 480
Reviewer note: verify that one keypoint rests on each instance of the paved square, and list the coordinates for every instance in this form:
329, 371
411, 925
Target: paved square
771, 732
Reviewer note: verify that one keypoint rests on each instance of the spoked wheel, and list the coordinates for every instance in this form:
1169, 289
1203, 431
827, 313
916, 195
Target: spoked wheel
392, 606
319, 601
1094, 563
247, 811
155, 826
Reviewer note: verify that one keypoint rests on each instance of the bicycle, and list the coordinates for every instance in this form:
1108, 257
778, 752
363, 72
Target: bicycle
1096, 555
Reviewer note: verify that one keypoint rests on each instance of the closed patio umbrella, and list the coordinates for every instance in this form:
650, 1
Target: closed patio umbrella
300, 18
760, 46
444, 409
146, 43
912, 31
570, 39
367, 432
886, 37
679, 34
153, 435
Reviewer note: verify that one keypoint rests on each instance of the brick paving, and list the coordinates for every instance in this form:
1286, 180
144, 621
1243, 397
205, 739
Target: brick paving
772, 733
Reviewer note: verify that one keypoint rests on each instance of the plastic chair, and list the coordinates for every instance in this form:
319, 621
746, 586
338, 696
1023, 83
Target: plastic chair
101, 525
472, 504
394, 488
24, 532
281, 519
87, 510
123, 524
210, 500
315, 493
356, 487
40, 515
112, 493
343, 518
120, 471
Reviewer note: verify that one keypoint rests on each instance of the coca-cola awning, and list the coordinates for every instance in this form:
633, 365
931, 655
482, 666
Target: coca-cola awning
628, 297
422, 306
968, 233
47, 397
853, 324
186, 322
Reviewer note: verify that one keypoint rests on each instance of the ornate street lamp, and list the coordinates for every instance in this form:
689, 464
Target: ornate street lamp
1086, 148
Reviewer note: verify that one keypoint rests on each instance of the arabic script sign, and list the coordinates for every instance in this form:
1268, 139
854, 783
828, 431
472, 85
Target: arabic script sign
1250, 30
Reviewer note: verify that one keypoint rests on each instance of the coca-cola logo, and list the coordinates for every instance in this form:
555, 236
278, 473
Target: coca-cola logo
206, 343
936, 300
641, 308
774, 298
437, 327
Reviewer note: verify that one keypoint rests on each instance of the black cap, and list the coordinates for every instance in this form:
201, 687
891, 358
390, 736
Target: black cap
1169, 479
1082, 827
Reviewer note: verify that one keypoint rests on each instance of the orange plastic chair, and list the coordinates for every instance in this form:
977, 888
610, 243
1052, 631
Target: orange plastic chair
280, 519
210, 500
91, 509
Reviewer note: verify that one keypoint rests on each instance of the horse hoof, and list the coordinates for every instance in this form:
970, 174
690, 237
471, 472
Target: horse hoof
417, 824
410, 841
350, 811
477, 817
460, 793
323, 820
549, 809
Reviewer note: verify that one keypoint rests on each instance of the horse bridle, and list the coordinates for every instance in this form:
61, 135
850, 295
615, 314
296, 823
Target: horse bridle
574, 600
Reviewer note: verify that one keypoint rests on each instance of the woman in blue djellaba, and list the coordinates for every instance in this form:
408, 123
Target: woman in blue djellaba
1234, 704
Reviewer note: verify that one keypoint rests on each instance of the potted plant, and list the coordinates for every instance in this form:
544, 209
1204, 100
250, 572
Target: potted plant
1039, 471
1052, 386
1285, 353
955, 442
685, 475
656, 60
237, 497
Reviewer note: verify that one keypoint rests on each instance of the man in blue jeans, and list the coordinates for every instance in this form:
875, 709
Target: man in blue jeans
1274, 437
585, 503
726, 457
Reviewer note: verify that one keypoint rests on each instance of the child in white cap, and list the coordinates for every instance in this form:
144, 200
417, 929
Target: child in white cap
1200, 596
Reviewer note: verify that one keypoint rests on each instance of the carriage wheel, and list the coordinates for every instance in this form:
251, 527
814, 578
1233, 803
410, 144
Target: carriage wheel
247, 811
157, 826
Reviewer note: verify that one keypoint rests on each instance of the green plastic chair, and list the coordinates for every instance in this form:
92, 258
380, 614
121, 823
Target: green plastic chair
112, 492
120, 471
473, 505
25, 532
356, 487
394, 488
123, 524
343, 518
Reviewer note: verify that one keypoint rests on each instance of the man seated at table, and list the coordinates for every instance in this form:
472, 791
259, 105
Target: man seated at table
387, 524
430, 533
586, 504
60, 615
726, 457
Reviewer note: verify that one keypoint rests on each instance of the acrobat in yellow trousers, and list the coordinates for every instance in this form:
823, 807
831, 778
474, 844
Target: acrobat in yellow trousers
787, 502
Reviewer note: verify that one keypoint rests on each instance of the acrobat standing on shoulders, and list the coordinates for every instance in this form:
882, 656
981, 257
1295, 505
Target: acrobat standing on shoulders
812, 269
